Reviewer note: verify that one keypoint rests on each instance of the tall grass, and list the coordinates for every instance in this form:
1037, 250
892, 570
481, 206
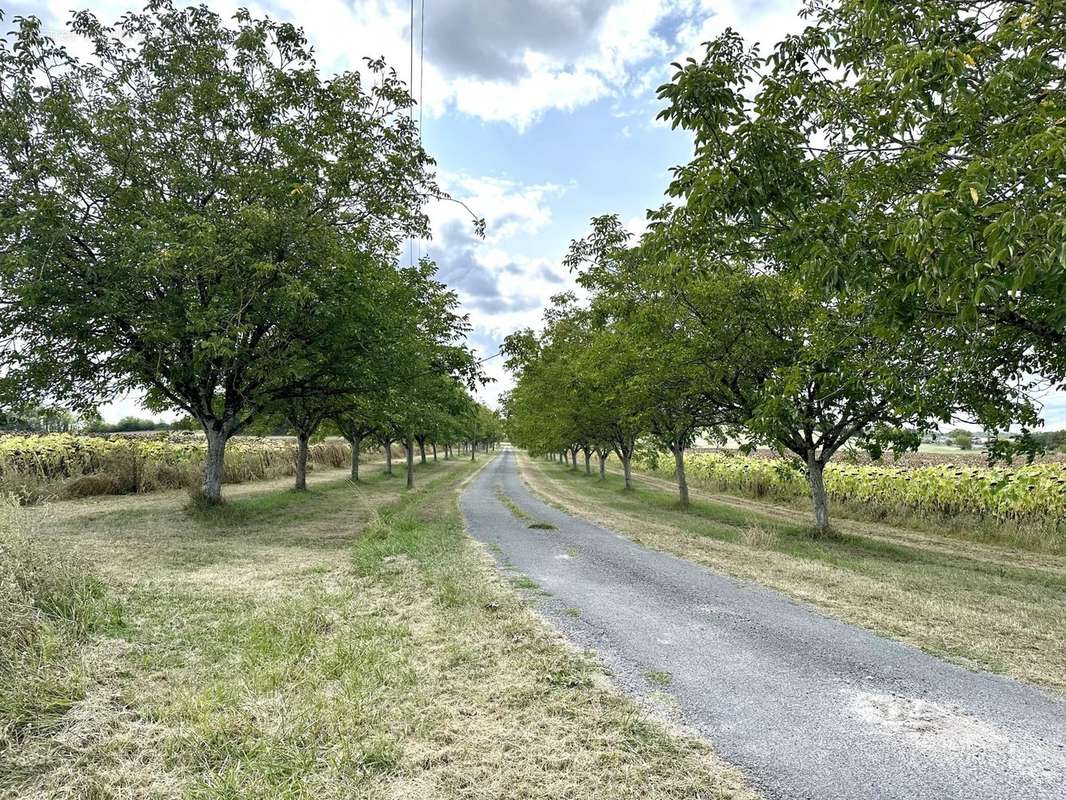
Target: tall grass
49, 602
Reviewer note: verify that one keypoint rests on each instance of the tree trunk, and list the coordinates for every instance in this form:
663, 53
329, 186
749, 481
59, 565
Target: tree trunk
603, 465
588, 461
434, 444
573, 459
473, 452
301, 461
422, 449
214, 464
356, 442
816, 479
411, 462
388, 458
679, 471
626, 471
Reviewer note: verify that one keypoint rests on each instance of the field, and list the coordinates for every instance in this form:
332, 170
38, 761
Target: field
62, 465
1023, 505
343, 642
987, 606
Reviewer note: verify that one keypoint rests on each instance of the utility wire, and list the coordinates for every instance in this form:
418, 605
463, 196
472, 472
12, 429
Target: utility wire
411, 112
421, 81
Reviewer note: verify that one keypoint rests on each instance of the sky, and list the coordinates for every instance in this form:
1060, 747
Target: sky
540, 115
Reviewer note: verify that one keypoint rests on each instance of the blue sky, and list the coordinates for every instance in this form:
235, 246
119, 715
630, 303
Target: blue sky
540, 113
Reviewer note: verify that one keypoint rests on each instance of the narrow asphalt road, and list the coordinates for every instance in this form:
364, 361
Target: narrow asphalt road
808, 706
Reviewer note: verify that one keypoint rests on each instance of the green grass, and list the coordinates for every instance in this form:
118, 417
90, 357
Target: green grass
50, 602
343, 642
518, 513
982, 606
658, 678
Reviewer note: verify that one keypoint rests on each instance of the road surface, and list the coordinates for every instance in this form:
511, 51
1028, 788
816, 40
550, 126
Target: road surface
808, 706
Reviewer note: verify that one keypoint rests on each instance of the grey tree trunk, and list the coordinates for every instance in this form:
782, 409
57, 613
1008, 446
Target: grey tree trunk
573, 459
422, 450
588, 461
356, 443
473, 452
816, 479
388, 458
679, 470
626, 472
214, 465
411, 462
434, 451
603, 465
301, 462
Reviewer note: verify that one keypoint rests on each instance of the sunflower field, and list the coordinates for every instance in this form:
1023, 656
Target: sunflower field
61, 465
1034, 493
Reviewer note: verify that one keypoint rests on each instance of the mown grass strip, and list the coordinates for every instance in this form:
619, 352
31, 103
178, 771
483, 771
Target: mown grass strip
342, 642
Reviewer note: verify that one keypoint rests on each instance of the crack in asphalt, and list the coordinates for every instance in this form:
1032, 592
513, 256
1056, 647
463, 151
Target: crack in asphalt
808, 706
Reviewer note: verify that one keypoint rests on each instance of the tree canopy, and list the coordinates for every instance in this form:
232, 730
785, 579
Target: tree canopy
196, 213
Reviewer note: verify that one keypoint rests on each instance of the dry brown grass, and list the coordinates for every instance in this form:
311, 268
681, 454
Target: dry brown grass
978, 605
337, 644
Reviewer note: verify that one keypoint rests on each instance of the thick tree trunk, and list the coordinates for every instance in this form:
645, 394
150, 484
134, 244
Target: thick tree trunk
573, 459
388, 458
356, 443
627, 472
588, 461
434, 444
411, 462
679, 471
422, 449
214, 464
301, 461
816, 479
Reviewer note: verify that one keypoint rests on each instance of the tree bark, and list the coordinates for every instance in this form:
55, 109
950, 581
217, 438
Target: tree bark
588, 461
473, 452
679, 470
573, 459
816, 479
603, 465
422, 449
388, 458
434, 451
301, 461
356, 442
410, 445
214, 465
626, 472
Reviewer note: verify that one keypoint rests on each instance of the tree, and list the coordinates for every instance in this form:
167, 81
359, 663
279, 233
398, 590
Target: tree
189, 212
946, 118
819, 365
962, 439
572, 386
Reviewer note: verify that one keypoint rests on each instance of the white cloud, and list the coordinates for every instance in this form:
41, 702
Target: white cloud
514, 61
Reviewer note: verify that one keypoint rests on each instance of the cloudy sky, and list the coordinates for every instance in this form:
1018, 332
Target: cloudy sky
540, 114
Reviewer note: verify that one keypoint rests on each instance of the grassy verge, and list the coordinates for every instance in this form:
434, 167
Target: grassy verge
346, 642
50, 603
981, 606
